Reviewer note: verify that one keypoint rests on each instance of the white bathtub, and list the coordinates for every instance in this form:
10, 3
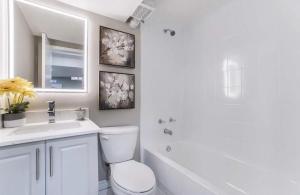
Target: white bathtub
191, 169
173, 178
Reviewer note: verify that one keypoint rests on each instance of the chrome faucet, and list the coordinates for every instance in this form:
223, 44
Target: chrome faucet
168, 131
51, 111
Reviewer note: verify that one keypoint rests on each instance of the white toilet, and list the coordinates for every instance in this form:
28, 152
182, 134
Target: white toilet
128, 177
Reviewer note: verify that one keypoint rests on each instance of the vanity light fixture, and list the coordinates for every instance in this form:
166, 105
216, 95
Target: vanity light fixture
12, 43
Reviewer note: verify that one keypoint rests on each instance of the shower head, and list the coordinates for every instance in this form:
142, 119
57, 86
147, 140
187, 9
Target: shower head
172, 32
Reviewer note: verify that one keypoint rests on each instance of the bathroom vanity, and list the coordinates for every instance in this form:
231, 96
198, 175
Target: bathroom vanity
52, 159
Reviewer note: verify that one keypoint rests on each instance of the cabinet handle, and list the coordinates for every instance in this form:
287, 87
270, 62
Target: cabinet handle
37, 162
51, 161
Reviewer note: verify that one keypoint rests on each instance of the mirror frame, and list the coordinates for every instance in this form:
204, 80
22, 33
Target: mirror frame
12, 44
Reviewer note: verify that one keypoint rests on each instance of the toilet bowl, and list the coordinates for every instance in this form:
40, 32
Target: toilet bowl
127, 177
132, 178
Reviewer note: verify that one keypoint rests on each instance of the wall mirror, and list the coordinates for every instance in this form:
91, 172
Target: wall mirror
47, 47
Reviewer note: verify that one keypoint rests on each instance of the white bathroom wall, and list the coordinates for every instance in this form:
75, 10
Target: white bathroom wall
162, 76
244, 66
163, 67
240, 61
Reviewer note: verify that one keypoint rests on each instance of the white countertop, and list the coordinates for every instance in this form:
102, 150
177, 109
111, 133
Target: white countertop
9, 137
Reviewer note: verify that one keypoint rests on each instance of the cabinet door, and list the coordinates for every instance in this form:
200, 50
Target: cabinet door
22, 169
72, 166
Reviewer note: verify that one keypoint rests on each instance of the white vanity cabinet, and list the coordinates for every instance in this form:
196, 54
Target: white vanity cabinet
22, 169
65, 166
71, 166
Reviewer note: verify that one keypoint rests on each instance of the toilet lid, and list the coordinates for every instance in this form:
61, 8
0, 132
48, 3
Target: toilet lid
133, 176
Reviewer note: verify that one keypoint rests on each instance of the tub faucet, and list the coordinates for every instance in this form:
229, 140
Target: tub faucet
168, 131
51, 111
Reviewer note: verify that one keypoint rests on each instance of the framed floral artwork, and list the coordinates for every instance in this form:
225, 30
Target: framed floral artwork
117, 48
117, 91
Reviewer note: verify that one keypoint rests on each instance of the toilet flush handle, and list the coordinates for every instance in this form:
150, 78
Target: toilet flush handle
104, 137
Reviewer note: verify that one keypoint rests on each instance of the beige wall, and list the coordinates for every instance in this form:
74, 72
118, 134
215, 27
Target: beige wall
90, 99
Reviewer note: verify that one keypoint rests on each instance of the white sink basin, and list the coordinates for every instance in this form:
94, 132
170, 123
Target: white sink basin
45, 127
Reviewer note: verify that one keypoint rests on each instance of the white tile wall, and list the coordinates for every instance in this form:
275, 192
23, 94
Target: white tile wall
163, 79
261, 36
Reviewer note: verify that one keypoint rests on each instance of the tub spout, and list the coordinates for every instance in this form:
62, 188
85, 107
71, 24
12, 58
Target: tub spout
168, 131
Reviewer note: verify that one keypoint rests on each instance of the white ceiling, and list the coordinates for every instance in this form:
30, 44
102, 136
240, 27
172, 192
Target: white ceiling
117, 9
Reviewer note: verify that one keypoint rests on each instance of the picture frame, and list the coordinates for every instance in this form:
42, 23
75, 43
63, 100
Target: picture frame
116, 90
116, 48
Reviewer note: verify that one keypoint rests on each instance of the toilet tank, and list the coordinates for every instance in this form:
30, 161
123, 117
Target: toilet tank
118, 143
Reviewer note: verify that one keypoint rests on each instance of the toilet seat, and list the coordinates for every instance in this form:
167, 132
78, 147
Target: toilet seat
133, 176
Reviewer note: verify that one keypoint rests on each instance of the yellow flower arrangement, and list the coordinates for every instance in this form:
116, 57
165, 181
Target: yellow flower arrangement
15, 90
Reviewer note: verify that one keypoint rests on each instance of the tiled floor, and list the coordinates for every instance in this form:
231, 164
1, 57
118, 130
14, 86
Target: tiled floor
106, 192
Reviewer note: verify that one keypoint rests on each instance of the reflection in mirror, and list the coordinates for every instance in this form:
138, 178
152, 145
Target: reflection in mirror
49, 47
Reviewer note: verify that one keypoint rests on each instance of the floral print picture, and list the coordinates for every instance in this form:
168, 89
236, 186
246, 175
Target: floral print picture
117, 48
117, 91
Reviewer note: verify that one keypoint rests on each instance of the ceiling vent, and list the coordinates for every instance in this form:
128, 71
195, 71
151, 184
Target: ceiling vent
141, 13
